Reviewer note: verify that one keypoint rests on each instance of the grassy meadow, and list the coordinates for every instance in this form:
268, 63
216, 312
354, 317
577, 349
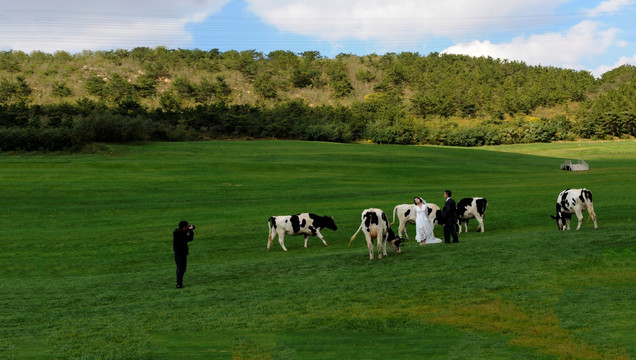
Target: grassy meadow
89, 270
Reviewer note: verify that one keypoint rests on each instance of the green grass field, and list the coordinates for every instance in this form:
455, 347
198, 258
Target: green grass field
89, 271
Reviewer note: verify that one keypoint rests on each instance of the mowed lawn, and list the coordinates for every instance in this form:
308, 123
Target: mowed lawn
88, 269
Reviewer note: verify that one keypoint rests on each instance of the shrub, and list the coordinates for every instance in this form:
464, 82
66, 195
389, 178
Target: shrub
112, 128
60, 89
265, 87
365, 75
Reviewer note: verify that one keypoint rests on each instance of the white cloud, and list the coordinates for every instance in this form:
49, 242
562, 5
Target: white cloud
75, 25
398, 21
608, 7
624, 60
583, 40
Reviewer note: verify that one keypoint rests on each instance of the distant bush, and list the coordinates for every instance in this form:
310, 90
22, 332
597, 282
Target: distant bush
60, 89
31, 139
365, 75
265, 87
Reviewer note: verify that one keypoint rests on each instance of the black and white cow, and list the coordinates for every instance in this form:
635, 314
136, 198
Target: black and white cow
375, 225
574, 201
305, 223
468, 208
406, 215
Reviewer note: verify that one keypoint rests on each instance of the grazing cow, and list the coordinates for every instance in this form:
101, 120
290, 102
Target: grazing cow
375, 225
305, 223
468, 208
406, 214
574, 201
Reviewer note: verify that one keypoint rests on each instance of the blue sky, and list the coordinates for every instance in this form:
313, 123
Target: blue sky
592, 35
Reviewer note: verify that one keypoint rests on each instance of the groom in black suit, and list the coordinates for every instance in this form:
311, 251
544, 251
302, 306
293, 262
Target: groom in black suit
450, 220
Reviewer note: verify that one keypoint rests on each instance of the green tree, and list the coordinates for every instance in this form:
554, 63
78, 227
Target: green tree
170, 102
183, 87
365, 75
339, 80
282, 60
118, 88
60, 89
95, 85
145, 85
264, 85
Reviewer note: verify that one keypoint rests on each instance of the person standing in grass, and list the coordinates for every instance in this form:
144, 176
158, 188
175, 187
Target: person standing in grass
423, 226
180, 239
450, 218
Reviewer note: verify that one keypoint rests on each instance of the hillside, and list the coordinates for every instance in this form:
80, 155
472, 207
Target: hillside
165, 94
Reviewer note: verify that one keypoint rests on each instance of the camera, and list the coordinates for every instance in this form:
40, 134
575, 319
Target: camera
191, 227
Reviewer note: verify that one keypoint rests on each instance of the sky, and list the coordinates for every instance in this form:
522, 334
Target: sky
591, 35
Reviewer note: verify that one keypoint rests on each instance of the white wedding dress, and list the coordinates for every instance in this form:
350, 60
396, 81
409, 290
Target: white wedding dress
423, 226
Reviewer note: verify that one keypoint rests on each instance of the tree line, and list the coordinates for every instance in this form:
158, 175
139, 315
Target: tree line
65, 101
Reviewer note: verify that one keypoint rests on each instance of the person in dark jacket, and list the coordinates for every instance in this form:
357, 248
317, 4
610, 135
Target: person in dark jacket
450, 218
180, 239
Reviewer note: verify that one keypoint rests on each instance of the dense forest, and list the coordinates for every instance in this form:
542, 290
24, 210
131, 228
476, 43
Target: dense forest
65, 101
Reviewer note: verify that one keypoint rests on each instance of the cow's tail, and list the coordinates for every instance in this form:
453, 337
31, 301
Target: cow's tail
394, 211
589, 205
354, 235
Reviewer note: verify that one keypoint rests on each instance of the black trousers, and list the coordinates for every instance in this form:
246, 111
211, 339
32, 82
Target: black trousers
182, 264
449, 230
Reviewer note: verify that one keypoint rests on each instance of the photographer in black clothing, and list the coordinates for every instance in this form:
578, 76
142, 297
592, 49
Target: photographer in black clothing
180, 239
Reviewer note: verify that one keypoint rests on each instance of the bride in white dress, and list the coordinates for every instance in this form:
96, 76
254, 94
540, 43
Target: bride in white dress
424, 228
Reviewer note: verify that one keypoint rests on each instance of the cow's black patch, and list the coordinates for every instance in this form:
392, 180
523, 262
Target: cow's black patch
481, 206
370, 217
565, 204
386, 220
406, 214
390, 234
320, 222
295, 222
462, 205
303, 224
313, 230
438, 217
587, 193
272, 221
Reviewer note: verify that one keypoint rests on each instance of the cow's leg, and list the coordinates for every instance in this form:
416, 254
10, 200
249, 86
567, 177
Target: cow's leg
402, 230
320, 237
593, 216
567, 223
281, 240
306, 239
480, 220
369, 245
380, 240
270, 239
579, 215
462, 223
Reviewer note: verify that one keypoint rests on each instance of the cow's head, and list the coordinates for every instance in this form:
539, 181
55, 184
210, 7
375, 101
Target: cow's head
560, 219
394, 241
329, 223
